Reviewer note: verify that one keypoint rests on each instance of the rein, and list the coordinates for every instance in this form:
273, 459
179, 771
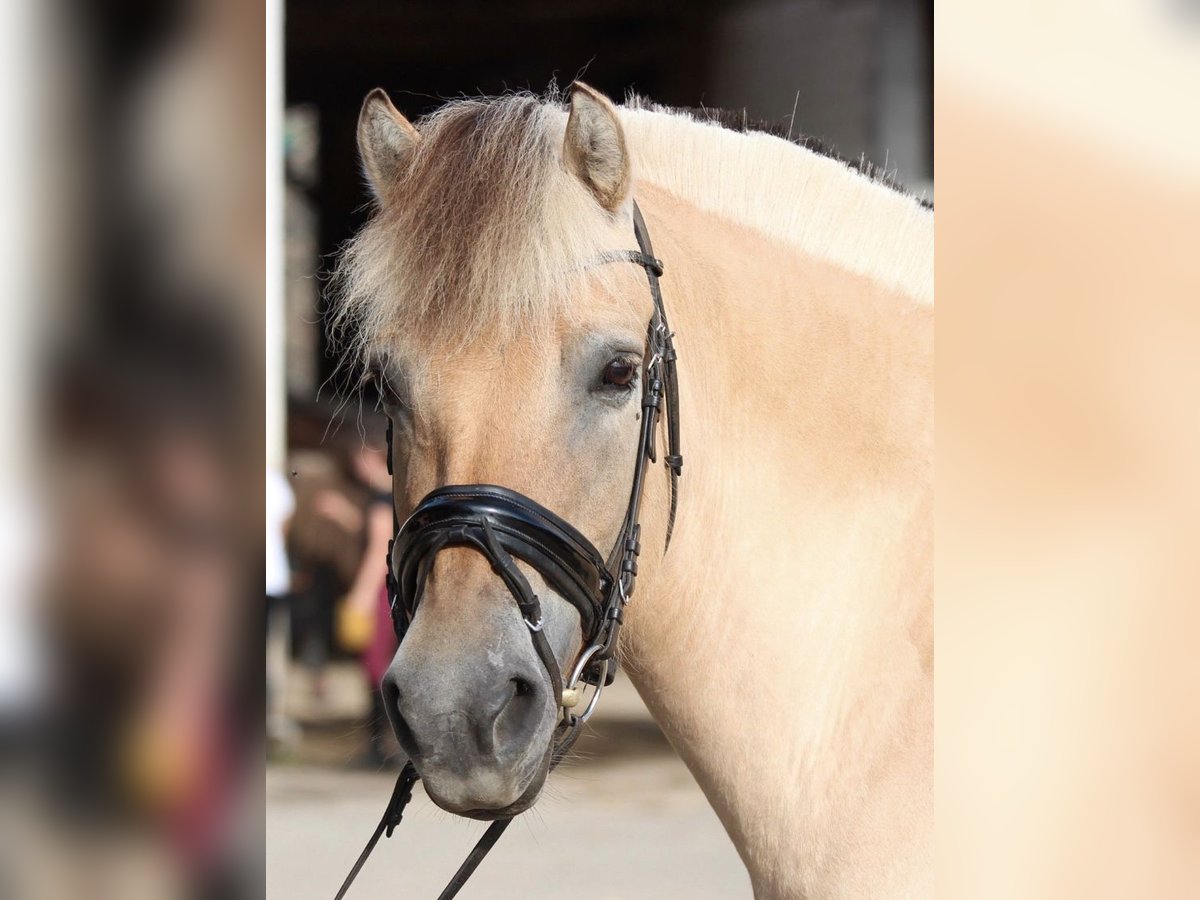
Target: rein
502, 524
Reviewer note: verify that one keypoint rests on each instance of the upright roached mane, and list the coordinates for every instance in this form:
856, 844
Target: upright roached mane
821, 205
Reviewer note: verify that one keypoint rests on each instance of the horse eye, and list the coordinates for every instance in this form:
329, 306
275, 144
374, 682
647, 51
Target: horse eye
619, 373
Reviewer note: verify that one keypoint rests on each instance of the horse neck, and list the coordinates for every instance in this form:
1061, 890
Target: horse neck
784, 643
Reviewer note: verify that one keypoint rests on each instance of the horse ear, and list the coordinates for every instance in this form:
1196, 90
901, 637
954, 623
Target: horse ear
385, 138
594, 148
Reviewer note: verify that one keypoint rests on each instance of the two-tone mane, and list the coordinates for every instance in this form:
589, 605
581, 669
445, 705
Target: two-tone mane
794, 190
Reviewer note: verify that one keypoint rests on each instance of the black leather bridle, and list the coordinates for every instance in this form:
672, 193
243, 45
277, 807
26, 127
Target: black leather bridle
504, 525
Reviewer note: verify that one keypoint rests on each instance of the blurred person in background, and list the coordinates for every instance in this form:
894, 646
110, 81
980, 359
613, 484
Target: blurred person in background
364, 621
324, 551
338, 544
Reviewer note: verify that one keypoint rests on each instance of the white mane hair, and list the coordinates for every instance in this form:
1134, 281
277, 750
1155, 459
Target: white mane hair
487, 232
792, 193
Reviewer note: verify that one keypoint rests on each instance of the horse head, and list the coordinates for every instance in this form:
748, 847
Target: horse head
509, 352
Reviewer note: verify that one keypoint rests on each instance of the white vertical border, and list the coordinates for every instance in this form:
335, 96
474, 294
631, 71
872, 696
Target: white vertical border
24, 307
275, 300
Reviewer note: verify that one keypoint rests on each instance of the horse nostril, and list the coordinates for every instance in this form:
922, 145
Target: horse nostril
519, 714
400, 726
404, 734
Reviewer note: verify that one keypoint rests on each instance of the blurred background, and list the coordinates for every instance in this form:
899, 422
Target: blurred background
856, 74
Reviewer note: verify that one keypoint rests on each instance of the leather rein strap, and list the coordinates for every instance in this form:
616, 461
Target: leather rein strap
502, 524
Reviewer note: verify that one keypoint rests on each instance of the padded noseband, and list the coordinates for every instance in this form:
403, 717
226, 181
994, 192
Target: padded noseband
463, 515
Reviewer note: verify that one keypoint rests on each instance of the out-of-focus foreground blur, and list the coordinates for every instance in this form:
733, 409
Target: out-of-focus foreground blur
1068, 443
130, 624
